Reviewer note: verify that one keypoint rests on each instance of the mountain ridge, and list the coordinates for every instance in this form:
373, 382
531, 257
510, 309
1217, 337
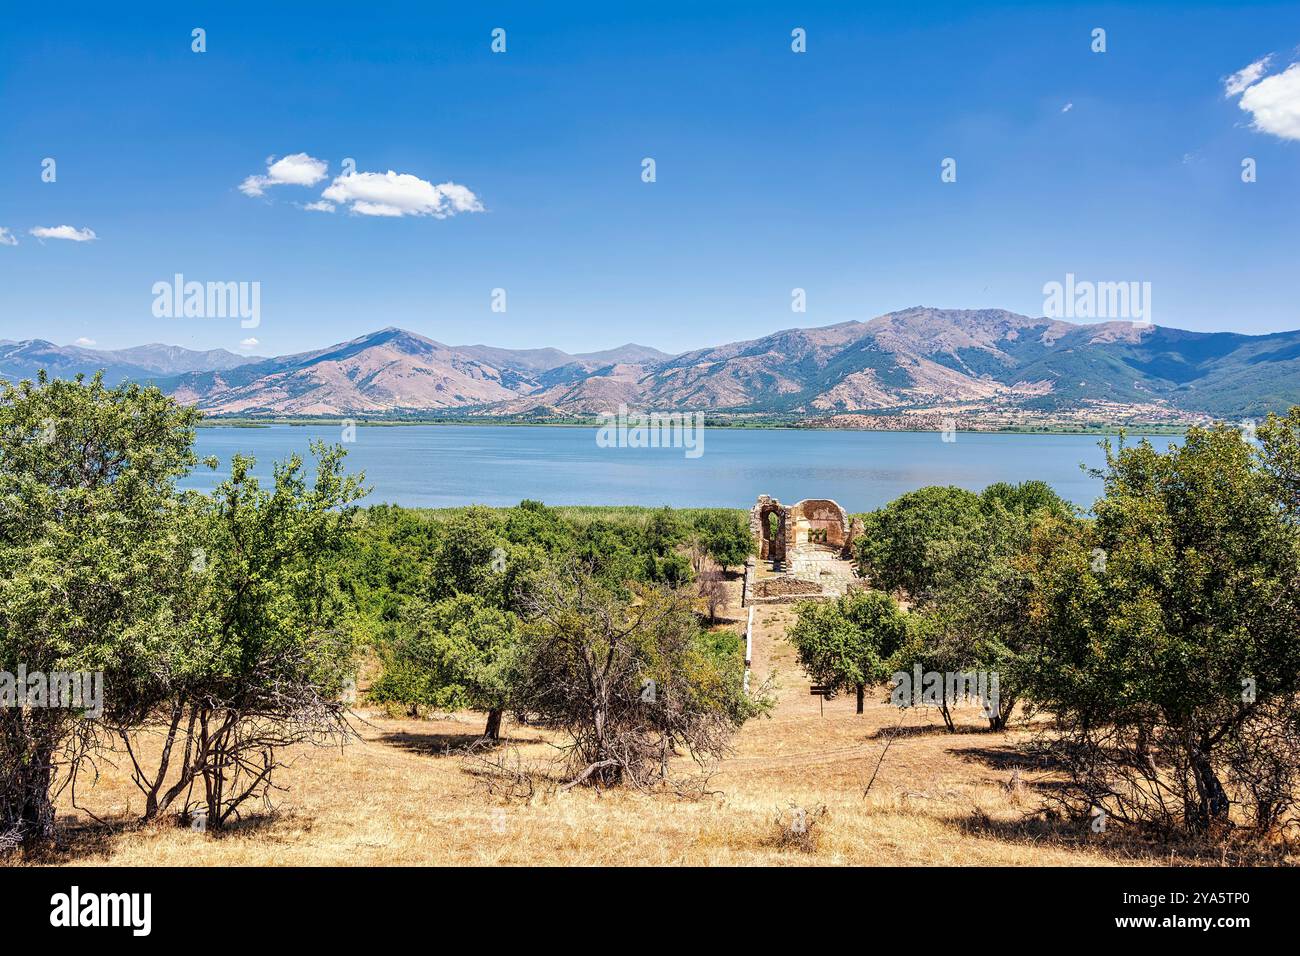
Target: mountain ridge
920, 360
21, 359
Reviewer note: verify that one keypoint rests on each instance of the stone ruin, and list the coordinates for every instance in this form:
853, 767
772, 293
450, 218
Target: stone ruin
814, 524
806, 547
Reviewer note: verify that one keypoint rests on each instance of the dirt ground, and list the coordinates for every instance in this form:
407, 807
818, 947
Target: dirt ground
401, 796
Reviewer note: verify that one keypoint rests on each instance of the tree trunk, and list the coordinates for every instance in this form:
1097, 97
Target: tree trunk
998, 719
947, 717
861, 694
37, 817
493, 729
1213, 804
1142, 746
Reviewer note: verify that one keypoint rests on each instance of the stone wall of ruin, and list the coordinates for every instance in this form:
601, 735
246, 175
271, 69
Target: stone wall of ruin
810, 523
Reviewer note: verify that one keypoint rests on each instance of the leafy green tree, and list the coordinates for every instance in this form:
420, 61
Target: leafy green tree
89, 565
453, 638
1028, 498
978, 618
1167, 648
533, 524
725, 537
454, 654
1279, 456
663, 560
392, 561
665, 530
469, 558
610, 550
264, 657
847, 643
907, 544
673, 570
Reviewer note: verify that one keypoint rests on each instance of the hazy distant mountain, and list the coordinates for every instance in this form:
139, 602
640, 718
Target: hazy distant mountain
916, 360
172, 359
543, 360
19, 360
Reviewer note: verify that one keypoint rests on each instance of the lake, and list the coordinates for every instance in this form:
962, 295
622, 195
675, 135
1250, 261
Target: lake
449, 465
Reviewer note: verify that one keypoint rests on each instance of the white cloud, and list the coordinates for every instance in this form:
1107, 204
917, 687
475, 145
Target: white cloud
64, 232
1274, 102
1067, 107
1246, 76
7, 237
84, 342
249, 343
320, 206
400, 194
298, 169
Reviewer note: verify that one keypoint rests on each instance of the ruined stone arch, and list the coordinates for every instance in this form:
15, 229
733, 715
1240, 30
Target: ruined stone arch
769, 541
810, 524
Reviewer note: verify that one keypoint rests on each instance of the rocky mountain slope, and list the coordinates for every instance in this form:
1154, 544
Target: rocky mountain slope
919, 360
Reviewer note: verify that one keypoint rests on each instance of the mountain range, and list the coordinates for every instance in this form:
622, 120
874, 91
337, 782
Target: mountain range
20, 360
918, 360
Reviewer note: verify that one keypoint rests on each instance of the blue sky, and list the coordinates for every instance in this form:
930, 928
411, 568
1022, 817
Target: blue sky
775, 170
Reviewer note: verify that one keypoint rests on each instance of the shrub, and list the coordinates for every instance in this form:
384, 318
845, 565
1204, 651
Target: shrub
631, 681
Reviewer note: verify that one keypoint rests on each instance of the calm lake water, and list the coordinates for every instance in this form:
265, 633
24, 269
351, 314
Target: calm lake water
450, 465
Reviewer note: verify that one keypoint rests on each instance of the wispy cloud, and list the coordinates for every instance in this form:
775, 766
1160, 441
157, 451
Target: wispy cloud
1067, 107
1246, 76
298, 169
248, 343
400, 194
7, 238
320, 206
1273, 101
70, 233
84, 342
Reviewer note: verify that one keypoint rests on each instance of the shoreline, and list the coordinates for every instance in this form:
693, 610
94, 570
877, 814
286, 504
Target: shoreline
1099, 429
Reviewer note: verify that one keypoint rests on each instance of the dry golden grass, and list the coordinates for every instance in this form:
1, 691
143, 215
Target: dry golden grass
398, 797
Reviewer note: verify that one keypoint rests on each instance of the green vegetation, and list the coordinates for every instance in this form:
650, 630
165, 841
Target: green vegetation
848, 644
1159, 633
1167, 647
229, 625
630, 678
88, 564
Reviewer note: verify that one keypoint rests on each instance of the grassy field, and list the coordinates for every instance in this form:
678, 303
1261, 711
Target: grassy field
400, 795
